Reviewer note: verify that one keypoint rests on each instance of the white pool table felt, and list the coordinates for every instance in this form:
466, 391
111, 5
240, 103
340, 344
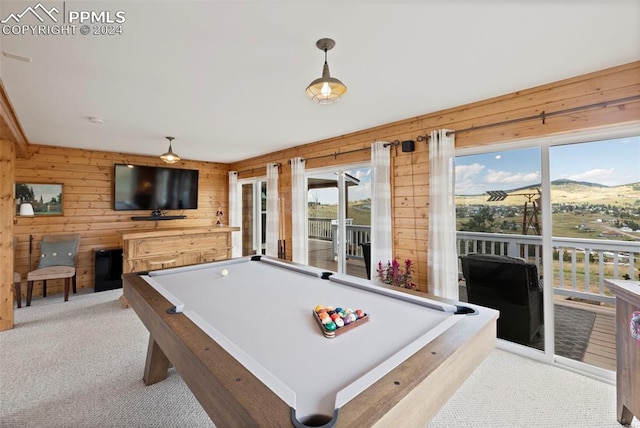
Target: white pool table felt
262, 315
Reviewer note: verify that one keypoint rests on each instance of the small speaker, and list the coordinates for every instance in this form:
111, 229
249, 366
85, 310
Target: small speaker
408, 146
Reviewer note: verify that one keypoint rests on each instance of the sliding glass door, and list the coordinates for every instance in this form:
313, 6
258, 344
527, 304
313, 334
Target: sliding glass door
339, 217
570, 206
595, 203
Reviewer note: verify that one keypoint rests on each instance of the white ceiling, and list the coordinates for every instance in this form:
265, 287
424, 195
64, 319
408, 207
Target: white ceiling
227, 78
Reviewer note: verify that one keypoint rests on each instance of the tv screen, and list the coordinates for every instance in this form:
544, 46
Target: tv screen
154, 188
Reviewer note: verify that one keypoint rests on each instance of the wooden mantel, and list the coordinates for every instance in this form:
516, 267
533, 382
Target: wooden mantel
152, 249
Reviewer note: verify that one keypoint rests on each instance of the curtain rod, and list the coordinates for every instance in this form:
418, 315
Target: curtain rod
335, 154
542, 115
256, 169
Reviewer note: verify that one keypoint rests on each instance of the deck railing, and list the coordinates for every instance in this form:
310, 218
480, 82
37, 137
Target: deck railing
320, 228
580, 266
356, 235
326, 229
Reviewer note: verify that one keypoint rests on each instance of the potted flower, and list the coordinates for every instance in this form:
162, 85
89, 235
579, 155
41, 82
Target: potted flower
393, 274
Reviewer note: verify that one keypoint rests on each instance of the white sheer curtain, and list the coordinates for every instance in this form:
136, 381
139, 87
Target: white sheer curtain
381, 239
235, 214
273, 216
443, 257
300, 235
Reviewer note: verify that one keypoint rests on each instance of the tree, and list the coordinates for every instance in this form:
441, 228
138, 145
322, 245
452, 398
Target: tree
24, 193
315, 203
482, 221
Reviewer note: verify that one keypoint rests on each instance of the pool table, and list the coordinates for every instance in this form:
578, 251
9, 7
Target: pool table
243, 336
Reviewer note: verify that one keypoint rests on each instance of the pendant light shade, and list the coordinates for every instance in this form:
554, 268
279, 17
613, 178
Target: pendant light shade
170, 157
326, 90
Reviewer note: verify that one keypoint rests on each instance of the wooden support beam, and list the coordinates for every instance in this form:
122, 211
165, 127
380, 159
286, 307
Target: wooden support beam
7, 207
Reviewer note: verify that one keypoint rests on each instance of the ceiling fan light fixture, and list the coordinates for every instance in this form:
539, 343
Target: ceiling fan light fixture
170, 157
327, 89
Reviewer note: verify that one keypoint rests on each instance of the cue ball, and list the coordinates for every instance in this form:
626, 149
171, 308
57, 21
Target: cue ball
224, 272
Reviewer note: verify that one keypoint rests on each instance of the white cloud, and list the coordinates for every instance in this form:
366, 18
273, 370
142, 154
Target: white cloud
471, 180
467, 181
598, 175
515, 179
363, 174
466, 172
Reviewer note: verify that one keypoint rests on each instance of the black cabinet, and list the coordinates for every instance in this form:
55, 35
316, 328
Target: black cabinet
108, 269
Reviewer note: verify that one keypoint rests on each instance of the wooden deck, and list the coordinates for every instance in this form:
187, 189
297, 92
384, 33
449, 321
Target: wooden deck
601, 348
321, 256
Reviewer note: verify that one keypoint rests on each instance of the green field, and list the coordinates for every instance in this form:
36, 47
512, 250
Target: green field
578, 211
359, 211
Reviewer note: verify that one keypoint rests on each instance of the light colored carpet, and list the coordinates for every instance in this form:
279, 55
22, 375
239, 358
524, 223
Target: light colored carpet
79, 364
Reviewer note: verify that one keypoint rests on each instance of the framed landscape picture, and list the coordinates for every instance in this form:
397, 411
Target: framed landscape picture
46, 199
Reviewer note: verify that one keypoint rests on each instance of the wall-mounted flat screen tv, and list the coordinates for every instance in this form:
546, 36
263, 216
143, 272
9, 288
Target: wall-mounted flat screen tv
154, 188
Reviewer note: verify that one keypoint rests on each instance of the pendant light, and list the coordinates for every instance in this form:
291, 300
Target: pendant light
326, 90
170, 157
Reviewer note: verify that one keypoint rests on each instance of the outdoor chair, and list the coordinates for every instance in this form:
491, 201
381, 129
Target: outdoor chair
510, 285
58, 258
366, 254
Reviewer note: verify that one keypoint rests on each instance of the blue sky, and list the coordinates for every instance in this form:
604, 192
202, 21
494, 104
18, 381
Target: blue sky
610, 162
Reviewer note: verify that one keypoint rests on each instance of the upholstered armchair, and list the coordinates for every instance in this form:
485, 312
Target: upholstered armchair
58, 258
510, 285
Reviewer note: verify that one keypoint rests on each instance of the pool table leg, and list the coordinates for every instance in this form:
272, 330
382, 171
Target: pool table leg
157, 364
624, 415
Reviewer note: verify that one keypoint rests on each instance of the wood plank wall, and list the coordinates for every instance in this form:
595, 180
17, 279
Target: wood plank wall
410, 187
7, 161
87, 180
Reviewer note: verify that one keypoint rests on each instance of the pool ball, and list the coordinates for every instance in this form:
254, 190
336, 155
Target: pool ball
330, 326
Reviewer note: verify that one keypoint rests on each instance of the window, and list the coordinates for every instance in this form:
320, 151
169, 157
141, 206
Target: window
571, 205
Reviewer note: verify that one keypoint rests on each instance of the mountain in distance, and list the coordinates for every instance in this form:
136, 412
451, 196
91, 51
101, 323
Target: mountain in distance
567, 191
562, 182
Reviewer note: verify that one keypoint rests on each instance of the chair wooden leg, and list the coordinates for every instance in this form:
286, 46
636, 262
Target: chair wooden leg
44, 288
17, 289
66, 289
29, 292
73, 281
